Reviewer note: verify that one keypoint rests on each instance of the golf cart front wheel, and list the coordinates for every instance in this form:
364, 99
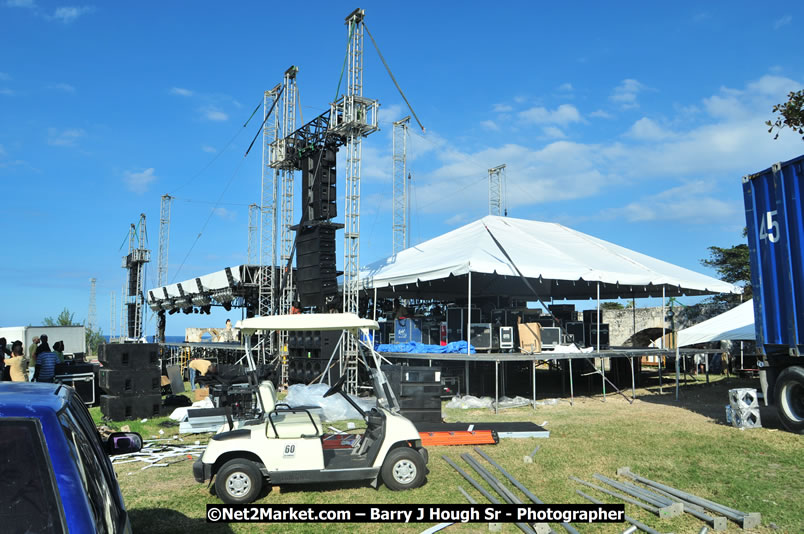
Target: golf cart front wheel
238, 482
403, 469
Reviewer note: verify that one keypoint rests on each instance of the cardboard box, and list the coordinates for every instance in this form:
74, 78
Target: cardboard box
201, 394
530, 338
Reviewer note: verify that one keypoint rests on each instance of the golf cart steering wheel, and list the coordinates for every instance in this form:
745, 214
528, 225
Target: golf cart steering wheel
336, 388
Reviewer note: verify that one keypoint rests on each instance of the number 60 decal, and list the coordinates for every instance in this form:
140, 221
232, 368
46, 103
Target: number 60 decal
769, 228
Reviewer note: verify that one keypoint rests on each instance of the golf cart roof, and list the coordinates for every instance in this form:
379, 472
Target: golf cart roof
306, 321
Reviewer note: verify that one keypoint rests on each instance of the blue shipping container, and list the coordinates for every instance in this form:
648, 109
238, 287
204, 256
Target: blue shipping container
774, 212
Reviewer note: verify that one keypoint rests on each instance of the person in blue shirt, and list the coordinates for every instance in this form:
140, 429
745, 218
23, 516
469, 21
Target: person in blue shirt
45, 364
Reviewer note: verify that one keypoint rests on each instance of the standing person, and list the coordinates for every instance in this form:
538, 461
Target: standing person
58, 348
33, 350
3, 351
16, 364
45, 368
295, 308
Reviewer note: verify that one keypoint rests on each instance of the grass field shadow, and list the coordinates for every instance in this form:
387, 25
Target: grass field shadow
165, 520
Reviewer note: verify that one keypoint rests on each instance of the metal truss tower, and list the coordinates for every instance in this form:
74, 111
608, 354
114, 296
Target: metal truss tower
497, 202
252, 254
164, 241
400, 224
267, 232
92, 314
353, 117
135, 262
281, 159
112, 317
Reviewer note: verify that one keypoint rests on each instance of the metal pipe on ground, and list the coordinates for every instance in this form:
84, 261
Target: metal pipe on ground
641, 526
673, 510
569, 528
652, 494
717, 522
468, 497
745, 520
620, 496
505, 493
522, 526
629, 530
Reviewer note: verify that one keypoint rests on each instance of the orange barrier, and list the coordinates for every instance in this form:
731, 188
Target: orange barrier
460, 437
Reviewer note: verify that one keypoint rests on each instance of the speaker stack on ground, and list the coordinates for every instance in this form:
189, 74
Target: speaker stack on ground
418, 390
130, 380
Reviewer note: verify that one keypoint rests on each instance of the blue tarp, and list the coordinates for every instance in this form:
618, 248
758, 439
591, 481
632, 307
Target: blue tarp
456, 347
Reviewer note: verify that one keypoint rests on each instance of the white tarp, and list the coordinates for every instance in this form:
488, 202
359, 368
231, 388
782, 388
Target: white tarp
545, 252
735, 324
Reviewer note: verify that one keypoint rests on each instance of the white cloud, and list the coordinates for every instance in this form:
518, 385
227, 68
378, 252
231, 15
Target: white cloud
30, 4
225, 214
502, 108
138, 182
7, 92
69, 14
600, 114
563, 115
208, 149
783, 21
180, 91
554, 132
626, 93
566, 87
212, 113
68, 137
490, 125
66, 87
692, 203
458, 218
646, 129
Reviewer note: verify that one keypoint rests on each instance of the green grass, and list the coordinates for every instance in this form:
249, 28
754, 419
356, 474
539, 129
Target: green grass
686, 445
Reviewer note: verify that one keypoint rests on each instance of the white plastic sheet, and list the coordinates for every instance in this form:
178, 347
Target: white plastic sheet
334, 407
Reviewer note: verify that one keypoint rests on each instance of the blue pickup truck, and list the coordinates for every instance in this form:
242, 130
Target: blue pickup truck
55, 472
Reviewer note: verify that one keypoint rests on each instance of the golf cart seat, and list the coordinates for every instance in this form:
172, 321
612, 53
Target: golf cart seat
284, 421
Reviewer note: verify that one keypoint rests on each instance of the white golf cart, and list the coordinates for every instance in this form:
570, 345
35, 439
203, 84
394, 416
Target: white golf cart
287, 445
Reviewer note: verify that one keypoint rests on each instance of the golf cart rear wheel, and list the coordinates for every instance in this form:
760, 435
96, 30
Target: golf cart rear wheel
238, 482
403, 469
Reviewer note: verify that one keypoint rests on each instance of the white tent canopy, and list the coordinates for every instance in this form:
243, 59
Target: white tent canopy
558, 262
737, 324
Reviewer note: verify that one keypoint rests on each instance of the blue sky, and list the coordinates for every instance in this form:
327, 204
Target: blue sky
632, 121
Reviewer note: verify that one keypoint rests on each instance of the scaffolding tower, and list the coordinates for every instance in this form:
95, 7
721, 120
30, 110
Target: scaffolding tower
497, 202
400, 148
353, 117
134, 262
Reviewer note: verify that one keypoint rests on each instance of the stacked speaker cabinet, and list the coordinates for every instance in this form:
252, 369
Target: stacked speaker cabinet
418, 390
130, 379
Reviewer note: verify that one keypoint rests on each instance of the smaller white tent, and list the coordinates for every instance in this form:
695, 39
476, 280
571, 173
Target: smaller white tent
735, 324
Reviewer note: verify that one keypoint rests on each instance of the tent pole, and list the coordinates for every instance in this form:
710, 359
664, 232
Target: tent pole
469, 313
602, 364
496, 386
374, 315
572, 390
466, 377
661, 390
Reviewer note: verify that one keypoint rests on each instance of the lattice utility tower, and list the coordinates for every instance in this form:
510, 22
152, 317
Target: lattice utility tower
92, 315
112, 316
135, 262
497, 202
400, 224
280, 159
253, 252
354, 117
164, 241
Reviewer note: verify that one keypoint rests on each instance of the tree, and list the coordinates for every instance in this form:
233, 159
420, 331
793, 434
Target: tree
613, 305
791, 114
65, 318
733, 266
